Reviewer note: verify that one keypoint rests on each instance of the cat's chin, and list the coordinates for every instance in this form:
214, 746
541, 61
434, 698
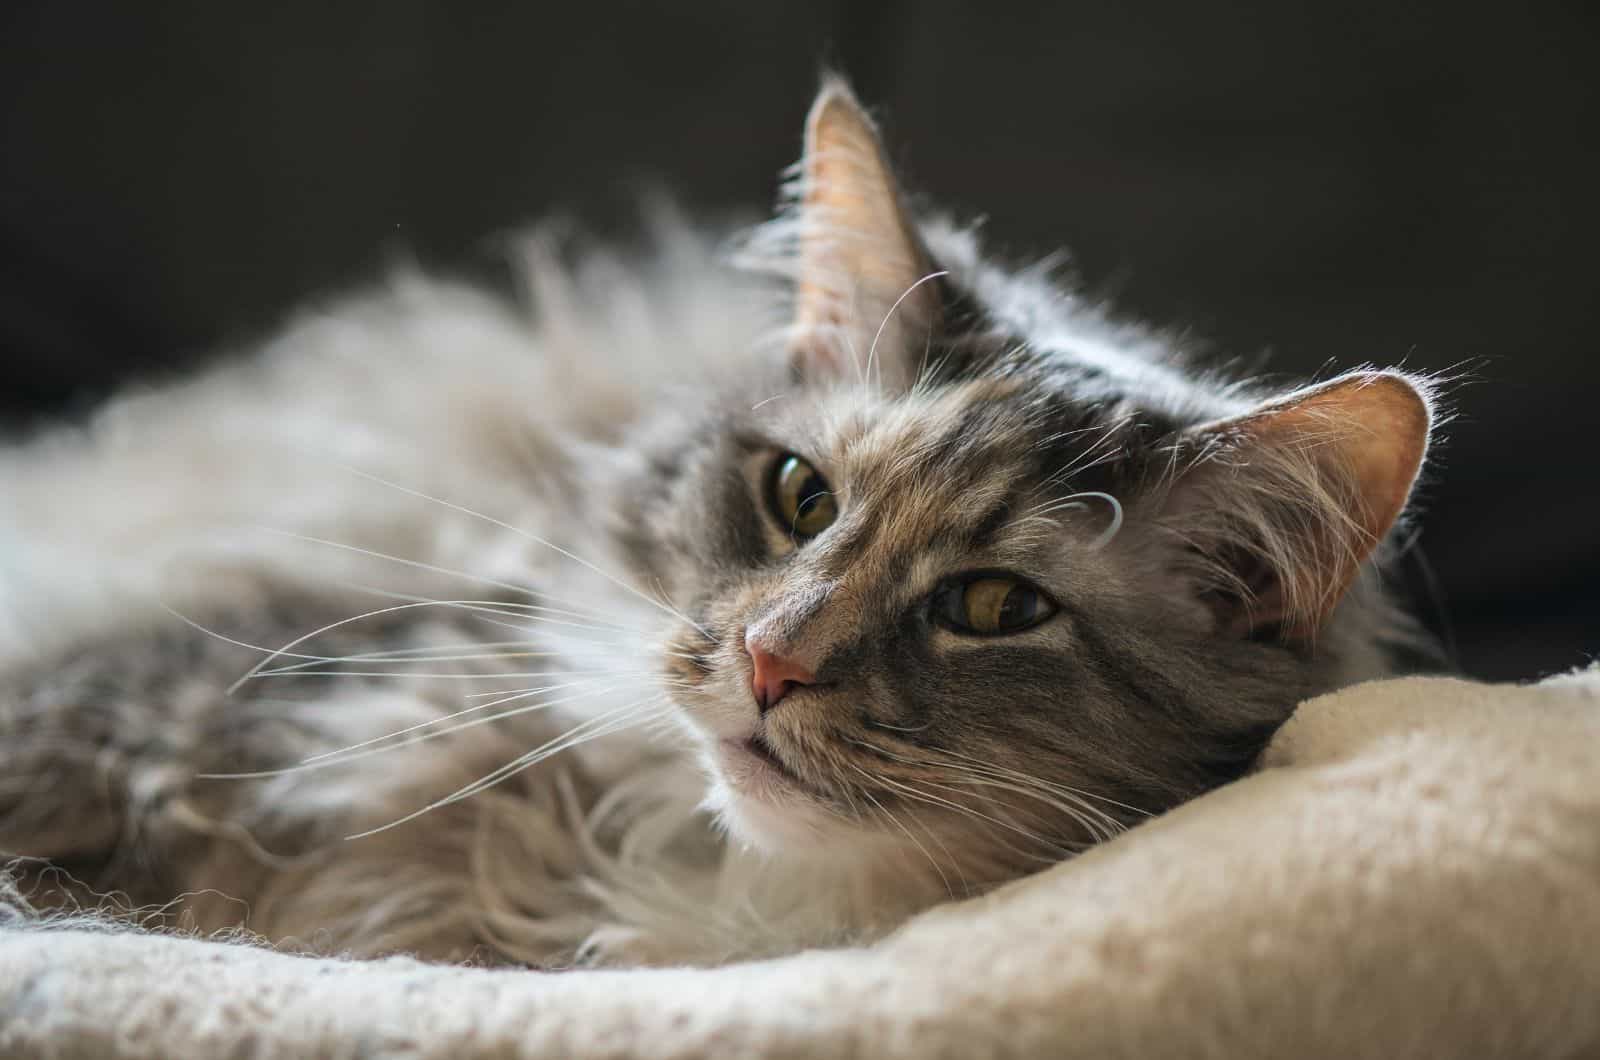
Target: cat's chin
763, 826
761, 804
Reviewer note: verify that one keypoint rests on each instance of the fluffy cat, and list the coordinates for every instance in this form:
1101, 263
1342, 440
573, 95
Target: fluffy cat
685, 615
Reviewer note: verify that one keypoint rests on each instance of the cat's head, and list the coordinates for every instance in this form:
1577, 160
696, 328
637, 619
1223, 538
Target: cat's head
970, 570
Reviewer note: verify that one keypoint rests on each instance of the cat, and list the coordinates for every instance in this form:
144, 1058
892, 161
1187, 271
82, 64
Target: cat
675, 614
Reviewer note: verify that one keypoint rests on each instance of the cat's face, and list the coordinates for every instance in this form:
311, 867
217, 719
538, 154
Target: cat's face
891, 608
950, 604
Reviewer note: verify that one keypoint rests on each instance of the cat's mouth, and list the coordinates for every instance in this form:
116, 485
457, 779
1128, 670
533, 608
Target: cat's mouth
752, 763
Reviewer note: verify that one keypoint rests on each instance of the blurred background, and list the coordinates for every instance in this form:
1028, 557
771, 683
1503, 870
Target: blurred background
1327, 185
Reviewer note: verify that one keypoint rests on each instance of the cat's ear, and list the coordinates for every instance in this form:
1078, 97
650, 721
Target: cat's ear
1284, 503
867, 299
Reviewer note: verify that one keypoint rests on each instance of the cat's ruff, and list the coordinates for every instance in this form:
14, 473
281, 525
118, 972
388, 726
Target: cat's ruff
1415, 874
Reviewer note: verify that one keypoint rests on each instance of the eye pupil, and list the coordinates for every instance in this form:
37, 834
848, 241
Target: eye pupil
992, 605
1016, 607
800, 498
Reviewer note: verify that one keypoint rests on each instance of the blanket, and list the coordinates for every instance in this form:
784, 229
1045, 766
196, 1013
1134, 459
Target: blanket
1413, 871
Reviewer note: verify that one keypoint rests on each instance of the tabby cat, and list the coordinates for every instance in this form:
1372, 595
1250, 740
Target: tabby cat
674, 613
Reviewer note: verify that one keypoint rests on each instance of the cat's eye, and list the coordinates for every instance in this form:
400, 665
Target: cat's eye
800, 497
991, 605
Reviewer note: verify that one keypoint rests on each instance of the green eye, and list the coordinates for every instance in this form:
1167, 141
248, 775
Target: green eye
992, 605
800, 498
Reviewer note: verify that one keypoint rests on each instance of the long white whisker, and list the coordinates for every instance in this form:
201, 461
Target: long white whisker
285, 650
1055, 788
954, 862
521, 589
453, 675
418, 655
905, 788
913, 792
1054, 850
186, 620
364, 750
414, 564
950, 859
497, 607
411, 655
589, 730
943, 879
586, 686
564, 673
873, 348
602, 724
1071, 802
1099, 824
535, 538
1075, 501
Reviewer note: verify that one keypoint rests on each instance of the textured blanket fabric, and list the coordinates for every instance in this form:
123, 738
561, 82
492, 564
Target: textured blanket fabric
1414, 872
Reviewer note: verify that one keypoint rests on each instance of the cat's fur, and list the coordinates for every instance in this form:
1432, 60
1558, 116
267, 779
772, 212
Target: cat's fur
613, 438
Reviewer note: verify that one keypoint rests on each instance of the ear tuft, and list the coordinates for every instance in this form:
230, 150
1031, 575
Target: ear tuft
1287, 501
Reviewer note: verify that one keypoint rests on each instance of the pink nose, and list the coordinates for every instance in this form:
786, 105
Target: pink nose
772, 676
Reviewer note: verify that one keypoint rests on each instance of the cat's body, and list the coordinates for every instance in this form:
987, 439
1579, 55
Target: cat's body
1042, 599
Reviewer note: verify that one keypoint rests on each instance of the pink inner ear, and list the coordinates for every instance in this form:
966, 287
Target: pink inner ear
1317, 478
1376, 423
860, 257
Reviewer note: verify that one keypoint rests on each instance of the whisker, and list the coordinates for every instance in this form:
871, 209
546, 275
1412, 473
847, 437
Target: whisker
1096, 822
495, 607
400, 655
536, 539
586, 689
901, 728
1075, 501
512, 697
873, 348
1036, 849
918, 793
286, 649
404, 655
943, 879
565, 673
905, 788
186, 620
414, 564
522, 589
453, 675
1056, 788
589, 730
1055, 850
953, 861
542, 609
356, 752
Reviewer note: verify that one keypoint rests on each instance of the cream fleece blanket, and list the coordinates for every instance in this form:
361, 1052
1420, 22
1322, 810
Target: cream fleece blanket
1414, 872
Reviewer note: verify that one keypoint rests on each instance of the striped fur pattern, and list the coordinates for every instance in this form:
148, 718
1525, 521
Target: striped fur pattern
472, 581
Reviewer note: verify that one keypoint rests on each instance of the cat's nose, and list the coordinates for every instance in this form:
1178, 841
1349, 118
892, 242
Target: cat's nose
773, 676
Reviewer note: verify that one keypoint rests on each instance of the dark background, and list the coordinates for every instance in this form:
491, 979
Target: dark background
1335, 186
